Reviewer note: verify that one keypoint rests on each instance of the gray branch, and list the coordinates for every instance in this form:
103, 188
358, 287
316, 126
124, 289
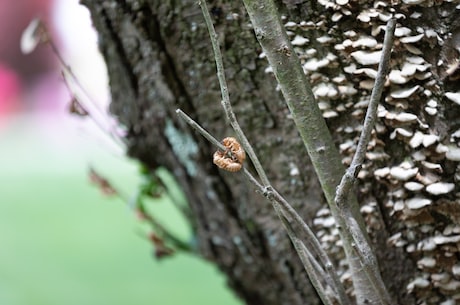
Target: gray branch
269, 30
287, 214
226, 98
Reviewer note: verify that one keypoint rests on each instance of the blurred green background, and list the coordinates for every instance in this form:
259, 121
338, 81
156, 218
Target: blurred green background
63, 243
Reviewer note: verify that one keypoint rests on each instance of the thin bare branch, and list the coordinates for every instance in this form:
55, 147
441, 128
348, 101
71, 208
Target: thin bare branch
200, 129
369, 122
369, 263
226, 98
117, 140
286, 213
96, 113
68, 70
316, 274
313, 241
325, 158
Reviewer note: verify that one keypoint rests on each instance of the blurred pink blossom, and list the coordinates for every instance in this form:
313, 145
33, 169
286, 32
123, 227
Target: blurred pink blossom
9, 90
21, 75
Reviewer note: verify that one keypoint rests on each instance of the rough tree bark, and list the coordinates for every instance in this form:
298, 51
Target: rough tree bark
159, 58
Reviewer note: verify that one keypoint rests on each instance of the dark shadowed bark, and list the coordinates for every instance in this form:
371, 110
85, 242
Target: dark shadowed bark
159, 59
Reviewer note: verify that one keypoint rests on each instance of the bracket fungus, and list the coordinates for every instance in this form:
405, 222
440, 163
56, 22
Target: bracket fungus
414, 156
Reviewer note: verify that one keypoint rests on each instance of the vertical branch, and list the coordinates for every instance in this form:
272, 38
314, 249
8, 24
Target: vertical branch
317, 139
268, 190
226, 98
371, 115
297, 93
311, 266
367, 281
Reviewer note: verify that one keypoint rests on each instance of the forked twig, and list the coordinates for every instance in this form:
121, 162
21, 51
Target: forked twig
349, 178
288, 214
226, 98
316, 274
276, 44
352, 172
267, 189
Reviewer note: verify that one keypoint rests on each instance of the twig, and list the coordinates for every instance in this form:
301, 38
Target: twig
67, 69
369, 263
226, 98
285, 212
371, 115
269, 193
200, 129
297, 92
96, 110
317, 139
119, 141
313, 270
316, 246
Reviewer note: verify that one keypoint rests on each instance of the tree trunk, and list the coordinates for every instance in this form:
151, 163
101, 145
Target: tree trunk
159, 59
